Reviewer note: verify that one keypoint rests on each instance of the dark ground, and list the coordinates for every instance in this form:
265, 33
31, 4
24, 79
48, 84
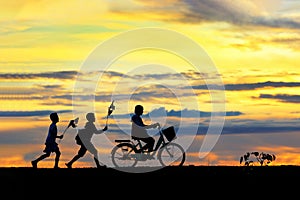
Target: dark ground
186, 180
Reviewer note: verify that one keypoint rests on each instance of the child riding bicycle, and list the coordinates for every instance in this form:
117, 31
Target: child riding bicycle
138, 129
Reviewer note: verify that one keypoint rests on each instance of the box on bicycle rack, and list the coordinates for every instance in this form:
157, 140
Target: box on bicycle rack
169, 133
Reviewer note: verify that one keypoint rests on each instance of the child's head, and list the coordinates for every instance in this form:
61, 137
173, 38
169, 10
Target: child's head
54, 117
90, 117
139, 109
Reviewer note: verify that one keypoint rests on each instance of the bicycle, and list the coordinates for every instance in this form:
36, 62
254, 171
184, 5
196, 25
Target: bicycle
128, 152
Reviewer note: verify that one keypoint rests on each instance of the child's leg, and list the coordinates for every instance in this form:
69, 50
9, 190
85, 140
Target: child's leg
35, 162
57, 158
81, 153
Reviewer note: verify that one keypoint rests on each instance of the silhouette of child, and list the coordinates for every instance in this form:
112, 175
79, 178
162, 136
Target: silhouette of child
51, 145
83, 139
138, 129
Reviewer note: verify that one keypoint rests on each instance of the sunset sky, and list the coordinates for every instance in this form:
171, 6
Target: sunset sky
56, 56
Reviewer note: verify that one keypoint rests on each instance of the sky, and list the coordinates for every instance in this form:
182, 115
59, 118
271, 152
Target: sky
223, 72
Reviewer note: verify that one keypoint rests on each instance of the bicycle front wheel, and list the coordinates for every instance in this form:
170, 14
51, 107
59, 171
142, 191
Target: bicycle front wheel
123, 155
171, 154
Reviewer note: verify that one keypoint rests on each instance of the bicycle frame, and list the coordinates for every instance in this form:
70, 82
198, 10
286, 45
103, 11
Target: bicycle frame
137, 144
128, 152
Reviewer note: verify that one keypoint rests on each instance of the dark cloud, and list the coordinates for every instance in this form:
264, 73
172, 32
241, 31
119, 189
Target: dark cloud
112, 74
73, 74
22, 97
28, 136
253, 129
282, 97
30, 113
151, 76
55, 75
251, 126
157, 91
83, 97
276, 23
208, 10
196, 113
240, 13
70, 96
186, 113
253, 86
50, 86
153, 94
249, 86
167, 76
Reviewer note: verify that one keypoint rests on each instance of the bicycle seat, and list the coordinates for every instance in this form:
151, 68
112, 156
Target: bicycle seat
135, 138
122, 140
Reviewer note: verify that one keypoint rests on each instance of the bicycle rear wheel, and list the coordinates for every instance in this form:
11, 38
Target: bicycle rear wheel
171, 154
123, 155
